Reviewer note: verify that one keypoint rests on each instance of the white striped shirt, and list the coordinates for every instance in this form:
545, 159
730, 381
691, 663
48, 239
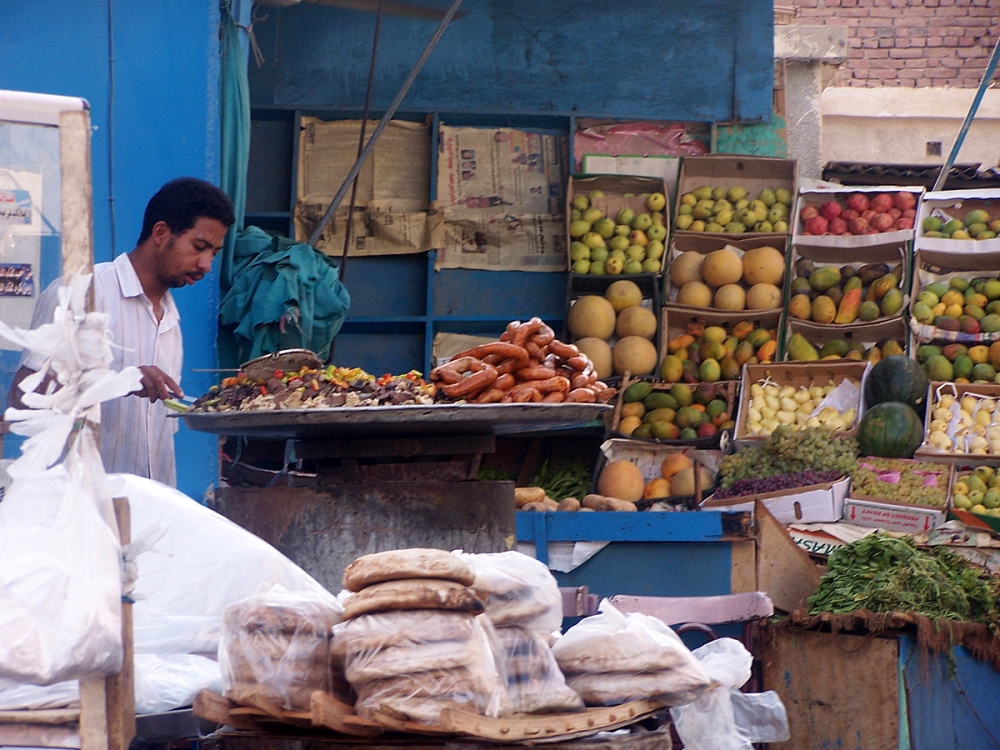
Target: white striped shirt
136, 436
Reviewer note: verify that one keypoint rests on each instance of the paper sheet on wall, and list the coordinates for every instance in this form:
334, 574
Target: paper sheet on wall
393, 186
21, 229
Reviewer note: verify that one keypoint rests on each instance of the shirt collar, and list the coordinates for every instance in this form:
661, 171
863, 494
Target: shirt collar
128, 282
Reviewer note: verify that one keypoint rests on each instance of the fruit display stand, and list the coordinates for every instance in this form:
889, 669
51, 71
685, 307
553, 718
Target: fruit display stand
815, 503
868, 340
963, 502
919, 501
751, 174
957, 205
856, 216
959, 440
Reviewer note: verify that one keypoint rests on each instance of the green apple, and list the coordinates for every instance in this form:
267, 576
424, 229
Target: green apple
613, 267
656, 201
633, 266
651, 265
618, 242
625, 216
581, 266
642, 222
581, 202
593, 214
597, 268
592, 240
658, 218
736, 193
618, 255
783, 196
638, 237
575, 215
604, 227
767, 197
598, 254
579, 228
961, 502
635, 252
654, 250
624, 229
596, 194
985, 473
657, 232
579, 251
992, 499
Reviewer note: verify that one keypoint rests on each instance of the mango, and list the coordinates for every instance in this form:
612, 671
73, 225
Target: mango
962, 366
892, 302
800, 349
994, 357
836, 294
984, 372
660, 415
883, 285
852, 283
824, 278
946, 323
868, 311
872, 271
927, 351
892, 348
637, 392
823, 310
939, 368
835, 348
660, 400
954, 351
990, 323
800, 307
849, 306
730, 368
758, 337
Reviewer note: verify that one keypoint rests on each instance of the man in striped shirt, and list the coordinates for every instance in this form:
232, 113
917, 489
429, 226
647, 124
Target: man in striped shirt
183, 228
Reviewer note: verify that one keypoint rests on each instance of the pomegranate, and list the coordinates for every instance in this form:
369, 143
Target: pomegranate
807, 213
830, 210
872, 231
909, 213
894, 212
904, 222
849, 214
904, 200
883, 222
858, 225
881, 203
868, 215
857, 202
837, 225
817, 225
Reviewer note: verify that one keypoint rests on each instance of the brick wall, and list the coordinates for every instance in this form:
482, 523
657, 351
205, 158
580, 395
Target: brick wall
914, 43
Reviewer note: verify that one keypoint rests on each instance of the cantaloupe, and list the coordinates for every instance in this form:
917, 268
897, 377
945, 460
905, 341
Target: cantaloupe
763, 297
634, 354
621, 479
695, 293
623, 294
636, 321
722, 267
686, 267
730, 297
763, 265
599, 353
591, 316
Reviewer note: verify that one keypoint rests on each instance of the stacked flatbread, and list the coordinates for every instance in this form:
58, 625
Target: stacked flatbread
412, 644
275, 649
524, 604
612, 658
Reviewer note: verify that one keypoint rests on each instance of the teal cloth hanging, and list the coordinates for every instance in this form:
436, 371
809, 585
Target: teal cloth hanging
286, 295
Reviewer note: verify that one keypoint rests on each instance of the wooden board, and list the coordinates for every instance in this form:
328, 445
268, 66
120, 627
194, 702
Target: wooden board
784, 570
838, 690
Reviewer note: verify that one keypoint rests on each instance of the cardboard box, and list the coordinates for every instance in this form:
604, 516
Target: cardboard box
818, 196
962, 468
705, 244
817, 503
927, 451
614, 187
754, 173
866, 334
816, 543
799, 374
894, 515
649, 456
674, 321
956, 204
930, 266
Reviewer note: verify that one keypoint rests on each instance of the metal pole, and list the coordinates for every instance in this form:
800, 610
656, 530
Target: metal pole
983, 85
363, 156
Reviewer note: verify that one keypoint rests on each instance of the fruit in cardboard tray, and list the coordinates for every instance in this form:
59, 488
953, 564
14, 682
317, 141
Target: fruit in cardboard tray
901, 481
599, 352
656, 201
633, 354
891, 430
800, 349
623, 294
722, 267
636, 321
730, 297
763, 297
763, 265
816, 225
800, 306
591, 316
770, 405
621, 479
682, 483
696, 294
686, 267
724, 213
732, 347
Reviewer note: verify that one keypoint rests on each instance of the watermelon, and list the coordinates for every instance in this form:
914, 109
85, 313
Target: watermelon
898, 378
890, 430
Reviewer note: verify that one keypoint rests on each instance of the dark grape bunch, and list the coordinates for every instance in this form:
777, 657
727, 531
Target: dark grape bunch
778, 482
788, 452
902, 481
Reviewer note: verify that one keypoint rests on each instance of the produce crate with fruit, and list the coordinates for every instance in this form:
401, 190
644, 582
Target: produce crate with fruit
898, 494
615, 322
800, 395
855, 216
616, 225
955, 298
963, 221
711, 272
962, 420
706, 347
976, 490
735, 196
801, 476
647, 474
861, 342
843, 286
675, 414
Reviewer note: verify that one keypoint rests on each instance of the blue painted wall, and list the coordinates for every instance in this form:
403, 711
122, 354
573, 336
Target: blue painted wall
705, 60
164, 124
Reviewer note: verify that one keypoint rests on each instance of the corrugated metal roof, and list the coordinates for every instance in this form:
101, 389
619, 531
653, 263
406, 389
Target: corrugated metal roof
962, 176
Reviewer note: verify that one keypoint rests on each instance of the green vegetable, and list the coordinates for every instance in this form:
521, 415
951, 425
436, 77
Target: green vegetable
490, 474
571, 479
886, 574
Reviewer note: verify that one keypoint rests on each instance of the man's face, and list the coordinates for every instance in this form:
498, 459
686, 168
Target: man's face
186, 257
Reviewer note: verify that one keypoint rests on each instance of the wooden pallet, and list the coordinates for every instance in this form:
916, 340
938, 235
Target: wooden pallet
327, 712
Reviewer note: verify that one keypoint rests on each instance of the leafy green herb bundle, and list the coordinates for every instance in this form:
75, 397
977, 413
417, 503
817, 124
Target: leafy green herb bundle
571, 479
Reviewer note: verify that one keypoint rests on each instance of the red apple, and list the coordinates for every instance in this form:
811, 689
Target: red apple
881, 203
909, 213
707, 429
883, 222
849, 214
858, 225
830, 210
837, 225
857, 202
904, 222
807, 213
847, 234
904, 200
872, 231
817, 225
868, 215
894, 212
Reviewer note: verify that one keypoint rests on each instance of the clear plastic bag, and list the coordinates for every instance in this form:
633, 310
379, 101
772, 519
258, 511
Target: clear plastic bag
518, 590
163, 683
724, 718
612, 658
275, 648
534, 682
412, 664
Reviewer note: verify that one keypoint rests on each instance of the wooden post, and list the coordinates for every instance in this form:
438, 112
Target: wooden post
77, 194
107, 706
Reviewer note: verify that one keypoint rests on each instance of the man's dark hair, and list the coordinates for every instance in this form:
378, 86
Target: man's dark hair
181, 202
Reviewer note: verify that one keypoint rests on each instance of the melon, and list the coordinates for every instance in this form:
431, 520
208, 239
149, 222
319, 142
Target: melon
722, 267
634, 354
591, 316
731, 297
763, 265
636, 321
898, 378
621, 479
763, 297
686, 267
890, 430
696, 294
599, 353
623, 294
682, 483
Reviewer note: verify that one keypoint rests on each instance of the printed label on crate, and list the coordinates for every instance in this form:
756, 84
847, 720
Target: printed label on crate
894, 518
815, 544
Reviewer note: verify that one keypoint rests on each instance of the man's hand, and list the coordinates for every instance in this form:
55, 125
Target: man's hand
156, 384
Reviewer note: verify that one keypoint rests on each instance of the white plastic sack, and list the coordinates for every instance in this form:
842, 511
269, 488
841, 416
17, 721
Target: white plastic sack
724, 718
16, 696
163, 683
